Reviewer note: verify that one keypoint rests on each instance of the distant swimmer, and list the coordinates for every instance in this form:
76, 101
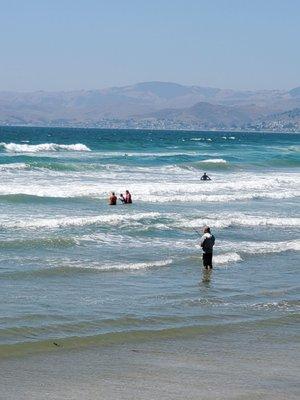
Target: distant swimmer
205, 177
112, 201
207, 243
128, 199
122, 198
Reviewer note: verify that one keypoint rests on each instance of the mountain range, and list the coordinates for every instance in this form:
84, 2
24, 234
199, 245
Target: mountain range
155, 105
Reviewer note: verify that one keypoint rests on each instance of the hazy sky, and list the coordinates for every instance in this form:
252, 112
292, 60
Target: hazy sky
90, 44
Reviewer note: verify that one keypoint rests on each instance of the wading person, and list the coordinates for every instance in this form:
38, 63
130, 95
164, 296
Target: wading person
207, 243
112, 201
128, 199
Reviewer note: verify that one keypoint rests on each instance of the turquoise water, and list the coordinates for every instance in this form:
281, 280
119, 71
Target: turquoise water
74, 269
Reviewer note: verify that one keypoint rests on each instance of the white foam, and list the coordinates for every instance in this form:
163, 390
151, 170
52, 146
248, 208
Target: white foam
226, 221
215, 161
216, 198
138, 266
271, 247
64, 222
227, 258
12, 167
43, 147
126, 266
258, 247
160, 185
252, 248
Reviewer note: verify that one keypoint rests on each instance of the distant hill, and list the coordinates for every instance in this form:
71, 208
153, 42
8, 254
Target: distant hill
295, 92
158, 101
209, 115
286, 121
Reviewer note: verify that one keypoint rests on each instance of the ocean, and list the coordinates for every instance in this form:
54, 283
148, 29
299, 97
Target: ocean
75, 271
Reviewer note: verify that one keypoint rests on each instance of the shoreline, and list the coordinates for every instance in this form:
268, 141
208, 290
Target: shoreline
214, 366
130, 337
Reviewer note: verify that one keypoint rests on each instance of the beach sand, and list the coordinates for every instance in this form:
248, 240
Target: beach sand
201, 367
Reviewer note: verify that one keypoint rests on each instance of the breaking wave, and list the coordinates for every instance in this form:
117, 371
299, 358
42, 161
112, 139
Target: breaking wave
43, 147
218, 198
214, 161
56, 242
226, 258
268, 247
70, 267
153, 221
240, 220
65, 222
245, 249
129, 266
13, 167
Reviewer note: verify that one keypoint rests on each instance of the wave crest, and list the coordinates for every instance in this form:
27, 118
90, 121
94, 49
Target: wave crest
43, 147
66, 222
214, 161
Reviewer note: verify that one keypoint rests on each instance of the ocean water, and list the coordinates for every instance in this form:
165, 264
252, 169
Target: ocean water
74, 270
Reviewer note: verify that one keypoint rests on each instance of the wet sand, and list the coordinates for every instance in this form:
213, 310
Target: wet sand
215, 367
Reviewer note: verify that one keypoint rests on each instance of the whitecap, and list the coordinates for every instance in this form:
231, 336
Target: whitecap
215, 161
12, 167
262, 247
226, 258
43, 147
126, 266
236, 220
65, 222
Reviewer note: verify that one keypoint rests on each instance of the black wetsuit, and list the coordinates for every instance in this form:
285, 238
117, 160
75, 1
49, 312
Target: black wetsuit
207, 244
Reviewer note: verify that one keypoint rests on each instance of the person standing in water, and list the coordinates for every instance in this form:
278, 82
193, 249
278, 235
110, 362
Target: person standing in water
205, 177
112, 201
207, 242
128, 199
122, 198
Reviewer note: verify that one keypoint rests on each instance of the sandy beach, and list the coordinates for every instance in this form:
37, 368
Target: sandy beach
208, 367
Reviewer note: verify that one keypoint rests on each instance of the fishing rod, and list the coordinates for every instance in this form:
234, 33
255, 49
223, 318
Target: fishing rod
198, 233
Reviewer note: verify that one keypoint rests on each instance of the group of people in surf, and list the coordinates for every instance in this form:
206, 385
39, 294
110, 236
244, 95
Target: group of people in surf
112, 200
125, 199
207, 240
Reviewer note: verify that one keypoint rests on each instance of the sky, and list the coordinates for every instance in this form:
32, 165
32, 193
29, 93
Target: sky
92, 44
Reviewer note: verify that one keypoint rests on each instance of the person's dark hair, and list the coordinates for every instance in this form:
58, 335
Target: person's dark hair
207, 229
127, 191
113, 193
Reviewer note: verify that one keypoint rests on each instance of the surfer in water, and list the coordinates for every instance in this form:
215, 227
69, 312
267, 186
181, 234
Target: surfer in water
207, 242
205, 177
122, 198
112, 201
